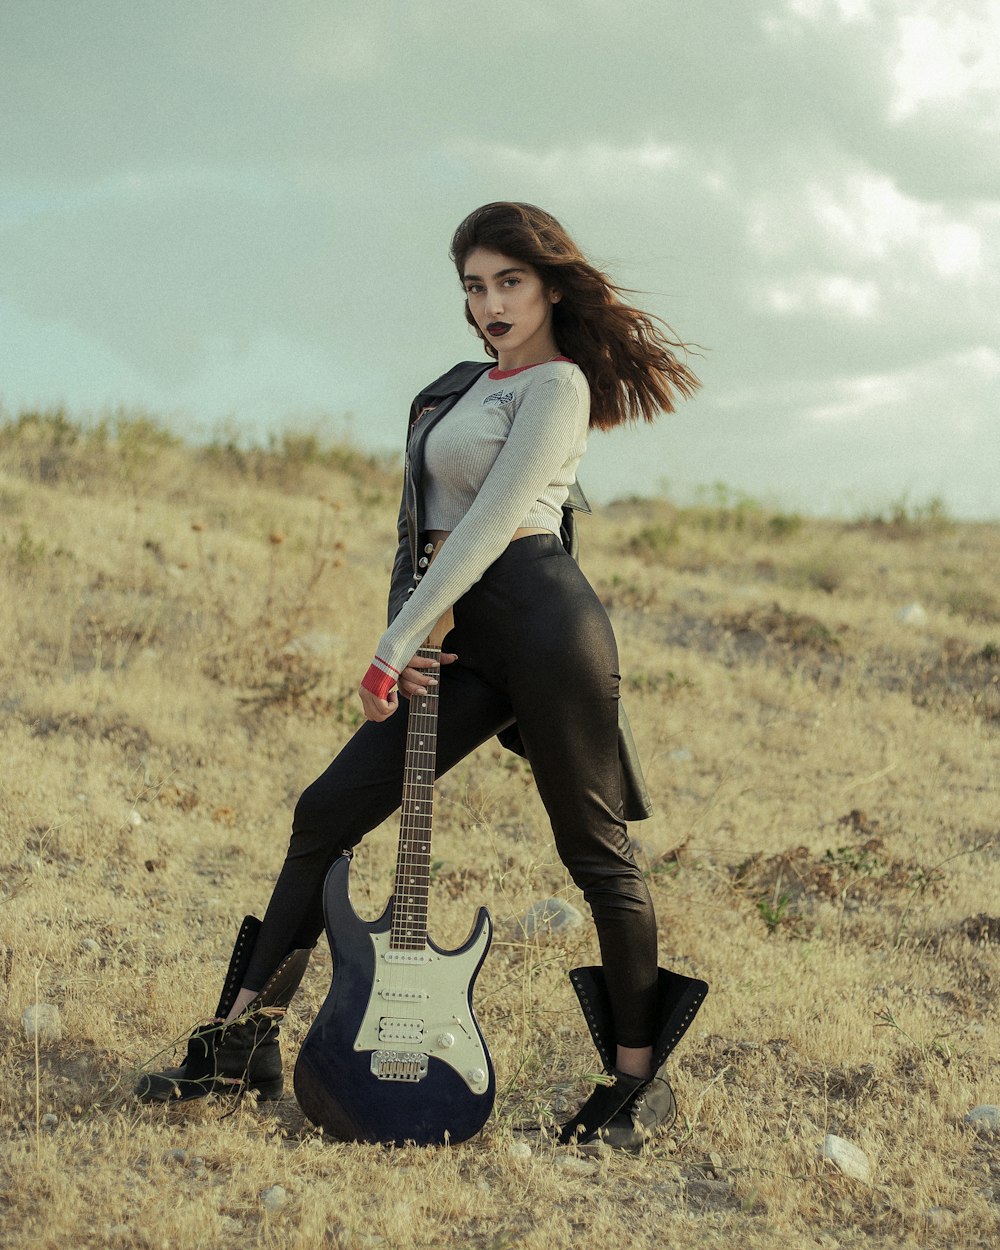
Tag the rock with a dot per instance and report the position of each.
(316, 642)
(985, 1119)
(846, 1157)
(680, 755)
(709, 1191)
(175, 1156)
(914, 614)
(48, 1121)
(197, 1165)
(90, 947)
(550, 915)
(42, 1020)
(134, 819)
(576, 1165)
(273, 1197)
(519, 1150)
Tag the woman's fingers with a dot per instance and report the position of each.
(378, 709)
(415, 678)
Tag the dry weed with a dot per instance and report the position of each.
(824, 852)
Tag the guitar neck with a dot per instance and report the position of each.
(413, 861)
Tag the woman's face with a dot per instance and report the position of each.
(511, 306)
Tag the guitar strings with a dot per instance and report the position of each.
(408, 929)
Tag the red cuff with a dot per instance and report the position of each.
(380, 678)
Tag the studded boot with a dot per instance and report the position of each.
(625, 1111)
(244, 1054)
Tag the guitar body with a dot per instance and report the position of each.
(395, 1054)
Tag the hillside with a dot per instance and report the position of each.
(817, 704)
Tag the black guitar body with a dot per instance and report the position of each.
(395, 1054)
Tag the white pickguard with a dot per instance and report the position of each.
(419, 1005)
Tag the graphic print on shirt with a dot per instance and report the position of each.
(499, 397)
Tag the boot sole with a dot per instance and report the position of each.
(267, 1091)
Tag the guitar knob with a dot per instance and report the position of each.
(445, 1040)
(476, 1076)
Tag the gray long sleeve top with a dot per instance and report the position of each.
(502, 459)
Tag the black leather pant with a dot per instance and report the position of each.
(534, 645)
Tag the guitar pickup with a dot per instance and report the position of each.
(394, 1029)
(403, 996)
(398, 1065)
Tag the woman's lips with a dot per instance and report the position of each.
(497, 328)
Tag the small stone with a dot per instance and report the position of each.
(49, 1120)
(90, 947)
(576, 1165)
(317, 643)
(716, 1161)
(519, 1150)
(42, 1020)
(177, 1155)
(914, 614)
(985, 1119)
(197, 1165)
(134, 819)
(273, 1197)
(846, 1157)
(708, 1190)
(680, 755)
(550, 915)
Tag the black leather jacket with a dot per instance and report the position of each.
(427, 409)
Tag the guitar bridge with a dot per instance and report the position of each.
(398, 1065)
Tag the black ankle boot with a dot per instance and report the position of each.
(243, 1055)
(626, 1110)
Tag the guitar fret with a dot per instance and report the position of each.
(409, 917)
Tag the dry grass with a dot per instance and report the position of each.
(182, 635)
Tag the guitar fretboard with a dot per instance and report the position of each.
(413, 862)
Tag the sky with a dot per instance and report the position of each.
(236, 216)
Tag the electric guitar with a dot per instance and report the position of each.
(396, 1053)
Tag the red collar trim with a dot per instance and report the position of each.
(497, 375)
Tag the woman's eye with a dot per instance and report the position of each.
(473, 290)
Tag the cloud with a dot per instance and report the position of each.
(256, 201)
(945, 56)
(836, 293)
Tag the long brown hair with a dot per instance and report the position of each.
(626, 355)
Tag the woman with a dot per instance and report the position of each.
(492, 454)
